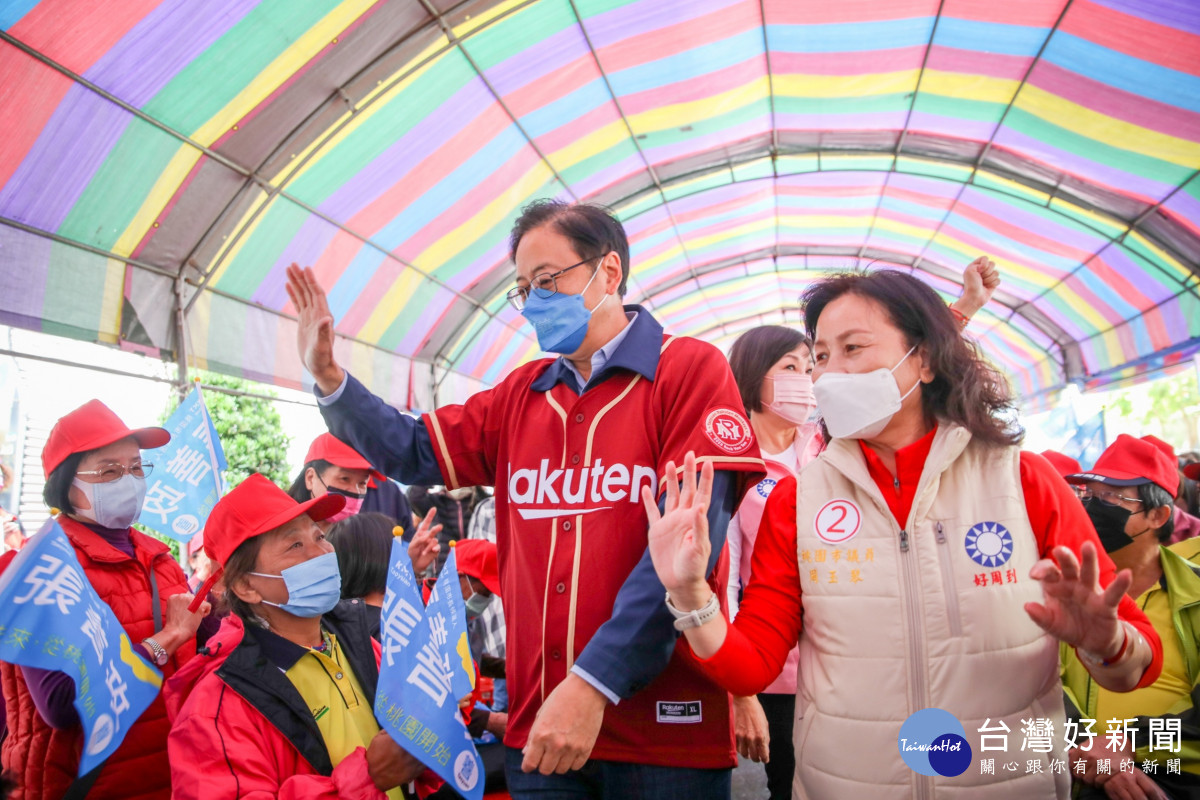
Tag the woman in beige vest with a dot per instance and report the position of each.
(922, 562)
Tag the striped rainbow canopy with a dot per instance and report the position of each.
(163, 161)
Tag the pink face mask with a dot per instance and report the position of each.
(352, 507)
(794, 399)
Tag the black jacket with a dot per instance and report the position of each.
(252, 674)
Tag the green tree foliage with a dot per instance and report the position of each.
(250, 429)
(251, 434)
(1175, 407)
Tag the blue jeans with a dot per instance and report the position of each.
(617, 780)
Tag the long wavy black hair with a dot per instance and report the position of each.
(966, 389)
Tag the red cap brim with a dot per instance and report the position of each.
(318, 508)
(1111, 477)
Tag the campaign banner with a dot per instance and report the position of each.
(186, 482)
(51, 618)
(421, 674)
(446, 612)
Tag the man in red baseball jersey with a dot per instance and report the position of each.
(603, 703)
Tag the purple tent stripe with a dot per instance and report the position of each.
(24, 271)
(421, 142)
(1112, 178)
(648, 15)
(1182, 14)
(1186, 208)
(73, 144)
(1149, 281)
(304, 248)
(418, 329)
(599, 181)
(660, 155)
(550, 55)
(977, 130)
(851, 121)
(162, 44)
(1018, 214)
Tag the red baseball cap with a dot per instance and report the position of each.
(91, 426)
(195, 543)
(1192, 471)
(256, 506)
(328, 447)
(1132, 462)
(1062, 462)
(477, 558)
(253, 508)
(1161, 445)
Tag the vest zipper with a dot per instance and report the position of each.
(916, 696)
(948, 583)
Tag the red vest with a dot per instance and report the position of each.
(44, 760)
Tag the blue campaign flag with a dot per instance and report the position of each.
(186, 481)
(447, 614)
(417, 698)
(1087, 442)
(52, 618)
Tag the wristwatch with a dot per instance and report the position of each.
(157, 653)
(694, 619)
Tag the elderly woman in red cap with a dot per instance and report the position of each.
(281, 702)
(96, 478)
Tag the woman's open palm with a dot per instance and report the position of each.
(679, 545)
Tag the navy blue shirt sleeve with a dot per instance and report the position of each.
(387, 498)
(635, 645)
(397, 444)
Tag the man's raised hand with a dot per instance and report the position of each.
(314, 334)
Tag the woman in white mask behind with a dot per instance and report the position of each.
(773, 369)
(927, 567)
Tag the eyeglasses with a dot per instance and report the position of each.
(1108, 498)
(114, 472)
(545, 285)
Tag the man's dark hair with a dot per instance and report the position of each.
(57, 490)
(363, 543)
(966, 389)
(753, 355)
(299, 491)
(1154, 496)
(592, 230)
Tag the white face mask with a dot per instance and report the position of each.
(859, 405)
(794, 399)
(116, 504)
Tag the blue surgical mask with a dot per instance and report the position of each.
(560, 320)
(477, 603)
(115, 504)
(314, 586)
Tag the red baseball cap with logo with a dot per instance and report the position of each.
(1062, 462)
(477, 558)
(1132, 462)
(328, 447)
(256, 506)
(91, 426)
